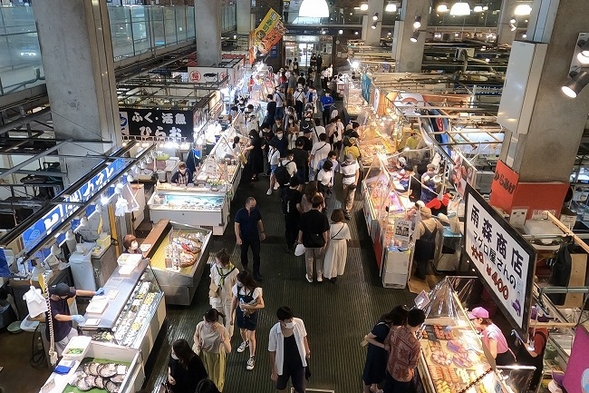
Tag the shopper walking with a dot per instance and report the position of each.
(280, 101)
(270, 111)
(249, 232)
(325, 182)
(425, 241)
(255, 160)
(326, 105)
(314, 235)
(292, 210)
(247, 300)
(212, 342)
(353, 148)
(376, 357)
(274, 161)
(337, 250)
(301, 159)
(289, 351)
(319, 152)
(404, 349)
(299, 98)
(492, 336)
(350, 170)
(310, 192)
(223, 277)
(292, 132)
(185, 369)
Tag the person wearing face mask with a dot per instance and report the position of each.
(280, 142)
(212, 342)
(63, 330)
(223, 277)
(292, 130)
(185, 369)
(183, 176)
(131, 245)
(289, 351)
(299, 97)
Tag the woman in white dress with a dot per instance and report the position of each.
(223, 278)
(337, 249)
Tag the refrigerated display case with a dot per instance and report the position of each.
(130, 313)
(210, 211)
(453, 358)
(178, 256)
(104, 368)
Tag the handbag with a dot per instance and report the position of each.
(213, 289)
(316, 240)
(299, 250)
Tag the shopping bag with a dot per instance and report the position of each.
(299, 250)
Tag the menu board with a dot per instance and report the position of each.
(502, 257)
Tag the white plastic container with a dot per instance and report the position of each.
(77, 343)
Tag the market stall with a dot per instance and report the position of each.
(178, 255)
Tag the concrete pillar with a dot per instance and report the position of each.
(408, 55)
(77, 55)
(208, 36)
(243, 15)
(556, 123)
(504, 33)
(369, 35)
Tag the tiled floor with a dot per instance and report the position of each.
(336, 315)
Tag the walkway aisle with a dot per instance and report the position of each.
(336, 315)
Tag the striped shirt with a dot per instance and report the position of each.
(403, 353)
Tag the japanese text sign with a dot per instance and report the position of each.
(33, 235)
(269, 32)
(503, 258)
(158, 123)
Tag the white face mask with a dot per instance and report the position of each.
(134, 246)
(279, 136)
(288, 325)
(173, 355)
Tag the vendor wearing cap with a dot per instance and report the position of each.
(61, 318)
(425, 241)
(493, 338)
(183, 176)
(353, 149)
(428, 184)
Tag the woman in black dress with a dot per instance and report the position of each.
(255, 163)
(185, 369)
(376, 358)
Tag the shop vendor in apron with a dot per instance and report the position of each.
(425, 241)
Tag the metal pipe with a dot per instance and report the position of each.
(567, 231)
(23, 120)
(544, 290)
(5, 171)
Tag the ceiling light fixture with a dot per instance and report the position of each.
(579, 79)
(442, 8)
(391, 7)
(415, 36)
(478, 8)
(375, 16)
(523, 9)
(417, 22)
(584, 45)
(373, 27)
(340, 32)
(460, 8)
(513, 23)
(315, 9)
(364, 7)
(485, 8)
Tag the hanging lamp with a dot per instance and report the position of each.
(314, 9)
(460, 8)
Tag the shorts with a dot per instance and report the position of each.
(249, 322)
(273, 168)
(297, 377)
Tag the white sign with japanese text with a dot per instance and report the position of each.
(503, 258)
(402, 230)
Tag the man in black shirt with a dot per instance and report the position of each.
(301, 158)
(279, 142)
(291, 207)
(270, 111)
(314, 235)
(248, 221)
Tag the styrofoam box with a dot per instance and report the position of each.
(81, 342)
(129, 259)
(393, 280)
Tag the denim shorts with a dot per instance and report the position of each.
(273, 168)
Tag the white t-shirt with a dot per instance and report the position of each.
(319, 152)
(299, 95)
(316, 132)
(274, 157)
(291, 168)
(325, 177)
(348, 171)
(242, 291)
(279, 98)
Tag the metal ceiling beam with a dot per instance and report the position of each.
(24, 120)
(29, 172)
(8, 171)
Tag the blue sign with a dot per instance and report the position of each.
(4, 270)
(366, 83)
(33, 235)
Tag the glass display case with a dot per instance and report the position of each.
(453, 358)
(130, 313)
(185, 207)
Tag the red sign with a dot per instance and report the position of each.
(194, 76)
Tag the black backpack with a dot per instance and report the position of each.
(282, 176)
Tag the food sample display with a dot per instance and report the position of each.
(100, 375)
(134, 312)
(206, 210)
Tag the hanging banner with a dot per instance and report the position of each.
(503, 258)
(366, 83)
(269, 32)
(463, 172)
(159, 123)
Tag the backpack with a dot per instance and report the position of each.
(282, 176)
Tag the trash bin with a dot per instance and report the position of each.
(7, 315)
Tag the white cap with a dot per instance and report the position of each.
(420, 203)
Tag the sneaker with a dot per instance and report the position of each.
(243, 346)
(269, 192)
(320, 278)
(251, 362)
(276, 186)
(309, 278)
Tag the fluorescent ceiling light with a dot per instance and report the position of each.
(314, 9)
(363, 6)
(459, 8)
(523, 9)
(576, 84)
(391, 7)
(442, 8)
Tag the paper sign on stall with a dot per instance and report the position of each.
(402, 230)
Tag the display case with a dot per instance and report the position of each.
(453, 358)
(104, 368)
(178, 254)
(130, 313)
(210, 211)
(352, 92)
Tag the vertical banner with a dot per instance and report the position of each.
(252, 50)
(504, 260)
(463, 172)
(269, 32)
